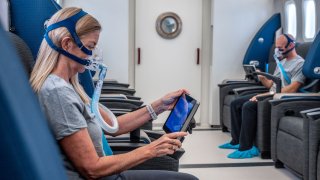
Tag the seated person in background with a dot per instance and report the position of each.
(54, 79)
(244, 109)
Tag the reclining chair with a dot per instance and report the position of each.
(27, 142)
(290, 133)
(311, 143)
(257, 54)
(45, 8)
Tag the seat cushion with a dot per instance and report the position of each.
(292, 125)
(226, 110)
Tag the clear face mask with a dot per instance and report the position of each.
(96, 64)
(278, 53)
(96, 59)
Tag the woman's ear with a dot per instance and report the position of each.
(66, 43)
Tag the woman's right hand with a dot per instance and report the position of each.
(166, 144)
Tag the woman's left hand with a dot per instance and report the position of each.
(167, 102)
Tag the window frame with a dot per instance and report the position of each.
(286, 17)
(304, 15)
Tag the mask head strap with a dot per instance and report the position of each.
(289, 40)
(70, 24)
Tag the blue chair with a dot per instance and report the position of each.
(28, 150)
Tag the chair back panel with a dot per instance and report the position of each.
(28, 148)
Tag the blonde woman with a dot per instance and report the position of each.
(70, 37)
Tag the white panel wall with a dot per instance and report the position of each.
(234, 25)
(114, 17)
(4, 21)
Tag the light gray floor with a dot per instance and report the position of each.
(202, 151)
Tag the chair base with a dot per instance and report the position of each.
(265, 155)
(224, 129)
(278, 164)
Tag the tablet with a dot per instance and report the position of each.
(181, 114)
(250, 72)
(249, 69)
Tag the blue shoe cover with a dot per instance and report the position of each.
(244, 154)
(254, 151)
(229, 146)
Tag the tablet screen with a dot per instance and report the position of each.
(179, 113)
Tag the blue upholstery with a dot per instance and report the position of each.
(85, 79)
(260, 51)
(312, 60)
(28, 150)
(28, 19)
(31, 28)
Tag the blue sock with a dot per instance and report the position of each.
(229, 146)
(244, 154)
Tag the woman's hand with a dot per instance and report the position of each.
(166, 144)
(167, 102)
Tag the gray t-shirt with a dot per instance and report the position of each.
(67, 114)
(293, 68)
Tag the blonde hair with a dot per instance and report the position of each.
(47, 57)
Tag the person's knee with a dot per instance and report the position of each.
(235, 103)
(249, 106)
(188, 176)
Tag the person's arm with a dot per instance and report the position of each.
(80, 150)
(254, 98)
(291, 88)
(265, 81)
(131, 121)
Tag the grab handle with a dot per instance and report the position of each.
(198, 56)
(139, 56)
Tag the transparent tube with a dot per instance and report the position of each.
(97, 64)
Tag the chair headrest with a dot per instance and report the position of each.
(311, 68)
(23, 51)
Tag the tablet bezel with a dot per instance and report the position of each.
(252, 68)
(186, 123)
(250, 73)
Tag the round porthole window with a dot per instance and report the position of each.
(168, 25)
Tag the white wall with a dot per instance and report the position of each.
(234, 25)
(4, 15)
(114, 17)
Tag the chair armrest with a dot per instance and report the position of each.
(129, 101)
(154, 134)
(243, 83)
(296, 99)
(275, 79)
(115, 84)
(314, 115)
(233, 80)
(263, 97)
(114, 96)
(241, 90)
(293, 95)
(117, 90)
(304, 113)
(125, 147)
